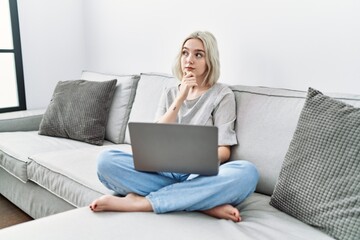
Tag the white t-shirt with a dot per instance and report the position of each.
(216, 107)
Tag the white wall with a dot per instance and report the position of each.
(52, 39)
(279, 43)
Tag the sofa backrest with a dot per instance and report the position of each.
(266, 117)
(147, 97)
(266, 122)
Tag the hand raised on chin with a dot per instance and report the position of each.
(188, 82)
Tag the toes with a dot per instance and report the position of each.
(235, 215)
(93, 206)
(235, 218)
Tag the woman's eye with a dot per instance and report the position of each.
(199, 55)
(185, 53)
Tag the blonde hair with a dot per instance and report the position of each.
(211, 57)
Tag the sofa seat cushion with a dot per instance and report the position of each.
(16, 147)
(260, 221)
(71, 174)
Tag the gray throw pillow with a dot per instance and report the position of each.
(319, 182)
(79, 110)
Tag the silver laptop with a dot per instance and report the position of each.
(177, 148)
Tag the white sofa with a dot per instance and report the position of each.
(46, 175)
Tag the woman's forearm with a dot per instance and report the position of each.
(172, 112)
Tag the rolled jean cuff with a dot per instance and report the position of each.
(154, 203)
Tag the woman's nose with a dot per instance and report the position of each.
(190, 59)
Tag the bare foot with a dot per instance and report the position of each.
(131, 203)
(224, 212)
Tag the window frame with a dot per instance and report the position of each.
(18, 58)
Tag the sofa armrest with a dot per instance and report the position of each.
(28, 120)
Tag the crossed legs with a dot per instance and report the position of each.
(167, 192)
(136, 203)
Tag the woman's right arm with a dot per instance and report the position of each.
(187, 83)
(172, 112)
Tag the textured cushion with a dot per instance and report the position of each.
(319, 182)
(79, 110)
(148, 93)
(121, 104)
(266, 122)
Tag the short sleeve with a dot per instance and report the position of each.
(161, 109)
(224, 117)
(167, 97)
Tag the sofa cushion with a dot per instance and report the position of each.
(71, 174)
(15, 147)
(30, 197)
(266, 121)
(260, 221)
(148, 93)
(79, 110)
(121, 104)
(319, 182)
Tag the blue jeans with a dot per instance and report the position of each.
(168, 192)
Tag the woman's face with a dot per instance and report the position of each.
(193, 58)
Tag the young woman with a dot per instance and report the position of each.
(200, 100)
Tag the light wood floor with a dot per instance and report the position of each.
(10, 214)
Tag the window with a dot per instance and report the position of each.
(12, 92)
